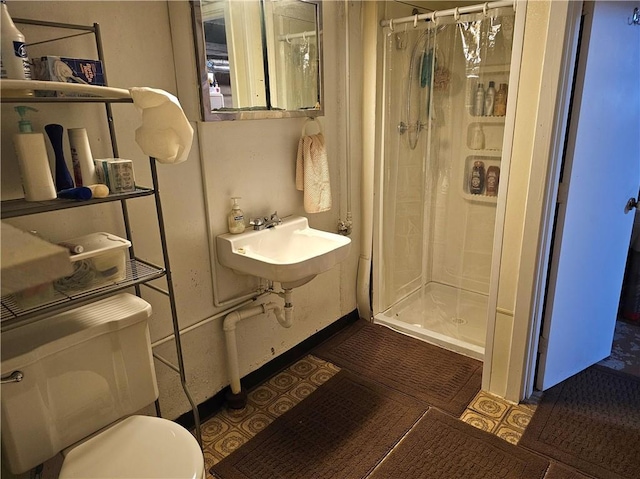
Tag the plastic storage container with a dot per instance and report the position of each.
(102, 261)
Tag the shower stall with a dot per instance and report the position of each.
(442, 124)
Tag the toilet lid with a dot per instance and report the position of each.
(137, 447)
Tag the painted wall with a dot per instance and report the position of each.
(148, 43)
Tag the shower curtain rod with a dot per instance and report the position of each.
(433, 16)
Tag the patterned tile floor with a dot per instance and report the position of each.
(229, 429)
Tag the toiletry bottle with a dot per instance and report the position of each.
(84, 170)
(15, 64)
(493, 180)
(478, 108)
(489, 99)
(500, 108)
(477, 137)
(476, 180)
(63, 177)
(236, 218)
(33, 160)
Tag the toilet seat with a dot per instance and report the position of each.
(137, 447)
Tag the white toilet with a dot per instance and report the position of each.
(85, 373)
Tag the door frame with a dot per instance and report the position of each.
(547, 153)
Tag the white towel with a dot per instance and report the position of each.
(165, 134)
(312, 173)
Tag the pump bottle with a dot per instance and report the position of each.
(33, 160)
(236, 218)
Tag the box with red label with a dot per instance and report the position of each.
(67, 70)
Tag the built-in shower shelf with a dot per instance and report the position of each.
(480, 198)
(486, 119)
(493, 154)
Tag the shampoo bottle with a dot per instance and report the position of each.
(489, 99)
(476, 180)
(478, 109)
(33, 160)
(236, 218)
(477, 137)
(500, 108)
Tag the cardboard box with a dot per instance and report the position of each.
(67, 70)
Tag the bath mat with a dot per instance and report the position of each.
(591, 422)
(340, 431)
(557, 471)
(442, 447)
(434, 375)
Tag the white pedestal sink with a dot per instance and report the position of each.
(290, 253)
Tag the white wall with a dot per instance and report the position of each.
(252, 159)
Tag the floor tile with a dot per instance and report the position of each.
(478, 420)
(509, 434)
(489, 405)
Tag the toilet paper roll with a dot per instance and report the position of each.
(84, 170)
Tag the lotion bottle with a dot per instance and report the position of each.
(33, 160)
(236, 218)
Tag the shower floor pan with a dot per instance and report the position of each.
(442, 315)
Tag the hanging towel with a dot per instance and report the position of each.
(165, 134)
(312, 173)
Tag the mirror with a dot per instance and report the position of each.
(258, 58)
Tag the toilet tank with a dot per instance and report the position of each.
(83, 369)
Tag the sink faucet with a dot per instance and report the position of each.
(266, 222)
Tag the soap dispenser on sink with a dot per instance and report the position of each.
(236, 217)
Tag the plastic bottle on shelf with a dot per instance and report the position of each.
(33, 160)
(63, 177)
(84, 170)
(236, 218)
(492, 180)
(489, 99)
(476, 180)
(15, 63)
(477, 137)
(500, 105)
(478, 109)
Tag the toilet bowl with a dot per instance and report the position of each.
(136, 447)
(85, 375)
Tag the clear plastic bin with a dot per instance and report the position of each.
(103, 261)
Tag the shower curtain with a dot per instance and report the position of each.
(434, 229)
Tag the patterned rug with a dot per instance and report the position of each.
(441, 447)
(625, 352)
(590, 421)
(438, 377)
(340, 431)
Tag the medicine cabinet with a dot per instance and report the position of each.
(258, 58)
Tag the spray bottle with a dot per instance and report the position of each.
(15, 63)
(33, 160)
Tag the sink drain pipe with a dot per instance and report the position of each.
(236, 397)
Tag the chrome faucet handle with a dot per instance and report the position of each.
(275, 217)
(257, 223)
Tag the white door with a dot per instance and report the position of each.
(601, 173)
